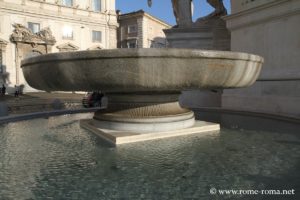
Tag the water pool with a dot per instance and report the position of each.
(56, 159)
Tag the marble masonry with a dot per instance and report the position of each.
(209, 32)
(143, 85)
(270, 28)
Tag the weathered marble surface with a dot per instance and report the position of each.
(271, 29)
(141, 70)
(142, 85)
(210, 34)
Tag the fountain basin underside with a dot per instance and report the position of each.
(143, 86)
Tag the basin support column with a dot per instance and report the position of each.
(144, 112)
(134, 117)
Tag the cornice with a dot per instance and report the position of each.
(157, 20)
(262, 14)
(24, 35)
(3, 42)
(18, 9)
(254, 9)
(76, 7)
(142, 13)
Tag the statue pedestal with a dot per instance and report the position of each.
(210, 34)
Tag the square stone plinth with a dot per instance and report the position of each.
(122, 137)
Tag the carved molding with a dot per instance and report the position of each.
(25, 35)
(4, 42)
(95, 47)
(67, 47)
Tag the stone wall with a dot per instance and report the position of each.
(242, 5)
(270, 29)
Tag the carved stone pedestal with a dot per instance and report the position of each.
(210, 34)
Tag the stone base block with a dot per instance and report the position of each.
(123, 137)
(208, 34)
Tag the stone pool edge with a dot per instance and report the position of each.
(34, 115)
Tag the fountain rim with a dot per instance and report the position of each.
(141, 53)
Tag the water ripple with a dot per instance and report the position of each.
(55, 159)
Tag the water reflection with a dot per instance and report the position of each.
(55, 158)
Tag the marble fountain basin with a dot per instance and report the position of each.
(142, 86)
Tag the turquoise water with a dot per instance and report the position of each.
(55, 159)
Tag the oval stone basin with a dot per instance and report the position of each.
(139, 70)
(142, 86)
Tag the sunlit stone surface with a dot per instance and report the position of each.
(141, 70)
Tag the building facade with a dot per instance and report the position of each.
(33, 27)
(141, 30)
(270, 28)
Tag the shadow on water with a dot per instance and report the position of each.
(235, 121)
(57, 159)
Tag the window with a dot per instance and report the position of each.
(1, 67)
(96, 5)
(67, 32)
(34, 27)
(132, 29)
(3, 44)
(67, 3)
(131, 44)
(97, 36)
